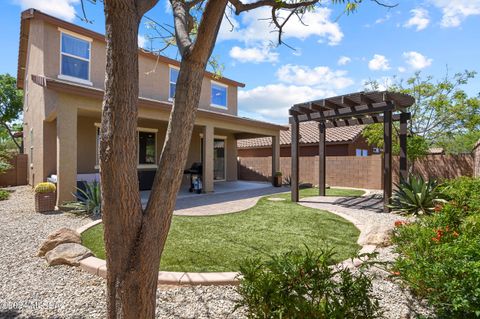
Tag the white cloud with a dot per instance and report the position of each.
(142, 40)
(419, 19)
(273, 101)
(254, 54)
(455, 11)
(298, 83)
(402, 69)
(379, 62)
(382, 84)
(416, 60)
(254, 27)
(320, 76)
(344, 60)
(63, 9)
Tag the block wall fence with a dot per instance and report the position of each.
(360, 172)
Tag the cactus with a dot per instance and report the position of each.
(45, 188)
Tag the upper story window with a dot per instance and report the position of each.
(219, 95)
(173, 82)
(74, 58)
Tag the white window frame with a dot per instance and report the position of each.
(139, 129)
(223, 107)
(170, 67)
(89, 60)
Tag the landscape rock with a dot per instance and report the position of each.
(58, 237)
(305, 185)
(67, 254)
(377, 235)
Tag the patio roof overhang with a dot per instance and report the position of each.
(353, 109)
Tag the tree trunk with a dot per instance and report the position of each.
(134, 239)
(121, 205)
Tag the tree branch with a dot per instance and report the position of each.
(183, 23)
(240, 6)
(144, 5)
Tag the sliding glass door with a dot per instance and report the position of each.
(219, 160)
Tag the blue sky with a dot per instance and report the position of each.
(334, 54)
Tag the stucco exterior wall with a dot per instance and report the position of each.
(154, 76)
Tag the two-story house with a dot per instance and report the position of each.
(61, 69)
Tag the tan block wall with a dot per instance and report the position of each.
(439, 167)
(347, 171)
(361, 172)
(17, 175)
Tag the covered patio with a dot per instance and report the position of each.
(353, 109)
(229, 197)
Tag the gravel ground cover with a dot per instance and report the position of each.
(30, 289)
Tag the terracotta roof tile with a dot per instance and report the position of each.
(308, 135)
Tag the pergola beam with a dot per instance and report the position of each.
(344, 112)
(362, 120)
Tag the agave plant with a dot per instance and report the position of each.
(90, 198)
(415, 196)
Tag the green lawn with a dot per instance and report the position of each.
(219, 243)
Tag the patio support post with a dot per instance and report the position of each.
(275, 156)
(207, 160)
(66, 152)
(295, 159)
(387, 158)
(321, 159)
(403, 145)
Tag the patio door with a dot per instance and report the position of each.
(219, 160)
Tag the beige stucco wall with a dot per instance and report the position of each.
(154, 76)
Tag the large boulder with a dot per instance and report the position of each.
(58, 237)
(377, 236)
(67, 254)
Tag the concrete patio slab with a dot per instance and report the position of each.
(229, 197)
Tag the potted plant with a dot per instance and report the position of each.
(277, 179)
(45, 197)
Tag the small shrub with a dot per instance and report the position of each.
(439, 255)
(4, 194)
(46, 187)
(415, 196)
(304, 285)
(90, 199)
(463, 191)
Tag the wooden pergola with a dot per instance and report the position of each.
(353, 109)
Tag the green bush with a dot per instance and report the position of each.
(304, 285)
(464, 191)
(90, 199)
(415, 196)
(439, 255)
(4, 195)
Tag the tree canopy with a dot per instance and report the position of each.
(11, 107)
(443, 115)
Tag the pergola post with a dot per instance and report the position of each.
(321, 159)
(275, 156)
(295, 159)
(387, 159)
(403, 146)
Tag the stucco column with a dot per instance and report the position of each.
(207, 160)
(66, 152)
(275, 156)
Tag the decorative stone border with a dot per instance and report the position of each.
(97, 266)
